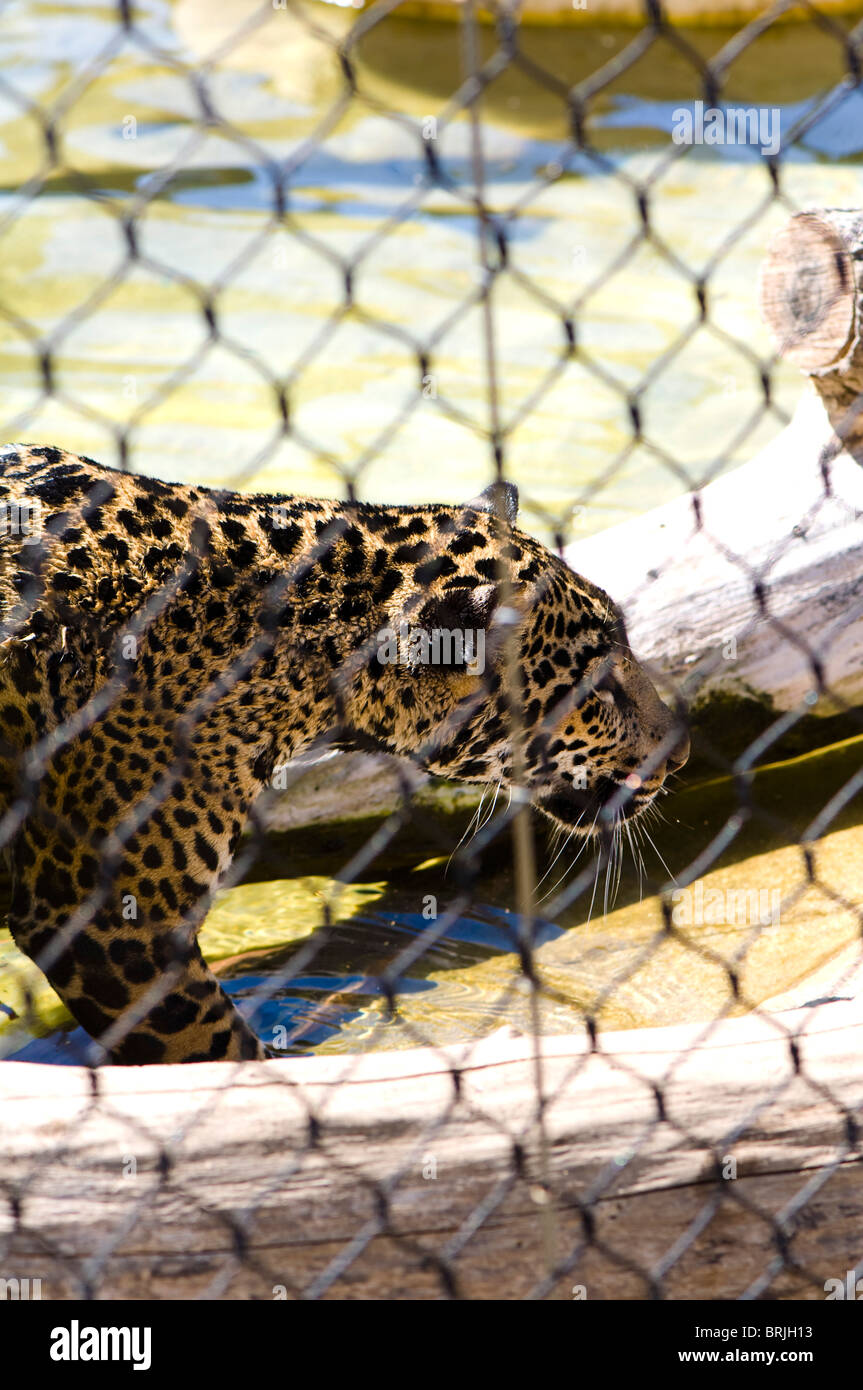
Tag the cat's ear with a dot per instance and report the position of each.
(499, 498)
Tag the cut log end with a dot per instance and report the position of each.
(808, 289)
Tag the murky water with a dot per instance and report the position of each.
(307, 989)
(132, 351)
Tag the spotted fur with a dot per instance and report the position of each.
(165, 647)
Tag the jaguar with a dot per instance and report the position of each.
(164, 648)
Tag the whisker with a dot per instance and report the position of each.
(672, 878)
(593, 894)
(585, 842)
(620, 855)
(611, 875)
(639, 839)
(636, 859)
(567, 871)
(473, 822)
(491, 812)
(559, 853)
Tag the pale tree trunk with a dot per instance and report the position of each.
(754, 584)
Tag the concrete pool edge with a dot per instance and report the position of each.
(732, 1091)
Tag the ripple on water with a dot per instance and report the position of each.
(279, 295)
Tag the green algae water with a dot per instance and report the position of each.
(182, 347)
(315, 988)
(182, 344)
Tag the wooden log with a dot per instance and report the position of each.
(365, 1177)
(752, 586)
(810, 294)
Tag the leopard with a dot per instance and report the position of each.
(165, 646)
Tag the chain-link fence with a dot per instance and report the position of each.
(291, 249)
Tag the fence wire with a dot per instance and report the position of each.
(492, 46)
